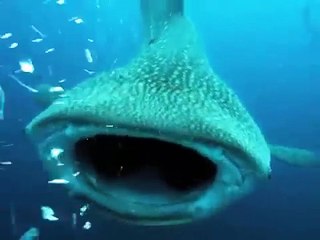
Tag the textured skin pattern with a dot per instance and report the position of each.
(168, 88)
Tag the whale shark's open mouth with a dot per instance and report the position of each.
(145, 165)
(145, 178)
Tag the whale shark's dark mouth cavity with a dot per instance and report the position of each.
(145, 164)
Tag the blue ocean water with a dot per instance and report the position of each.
(262, 49)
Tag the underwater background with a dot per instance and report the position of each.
(264, 50)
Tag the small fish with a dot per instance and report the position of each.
(88, 55)
(87, 226)
(77, 20)
(13, 45)
(50, 50)
(30, 89)
(5, 163)
(6, 36)
(38, 31)
(58, 181)
(26, 65)
(89, 72)
(48, 214)
(37, 40)
(60, 2)
(2, 103)
(74, 220)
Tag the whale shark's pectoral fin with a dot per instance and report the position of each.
(295, 156)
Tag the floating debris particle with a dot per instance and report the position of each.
(22, 84)
(58, 181)
(55, 152)
(5, 163)
(37, 40)
(48, 214)
(13, 219)
(88, 55)
(56, 89)
(89, 72)
(60, 2)
(87, 226)
(74, 220)
(32, 234)
(2, 103)
(77, 20)
(26, 66)
(6, 36)
(83, 209)
(50, 50)
(13, 45)
(38, 31)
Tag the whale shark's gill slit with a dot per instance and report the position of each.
(141, 161)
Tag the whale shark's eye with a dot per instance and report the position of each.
(116, 158)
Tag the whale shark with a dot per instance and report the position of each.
(162, 140)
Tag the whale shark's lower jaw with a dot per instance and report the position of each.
(144, 177)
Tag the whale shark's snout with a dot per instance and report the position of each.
(160, 141)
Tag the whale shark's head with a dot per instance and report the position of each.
(160, 141)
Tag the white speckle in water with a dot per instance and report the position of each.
(6, 36)
(89, 72)
(88, 55)
(13, 45)
(5, 163)
(37, 40)
(77, 20)
(58, 181)
(55, 152)
(48, 214)
(74, 220)
(83, 209)
(87, 226)
(38, 31)
(50, 50)
(56, 89)
(2, 103)
(26, 66)
(60, 2)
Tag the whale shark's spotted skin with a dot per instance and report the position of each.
(169, 88)
(168, 92)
